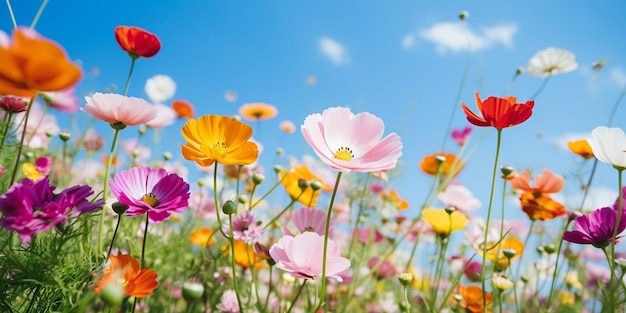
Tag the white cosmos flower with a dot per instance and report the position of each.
(609, 145)
(160, 88)
(551, 61)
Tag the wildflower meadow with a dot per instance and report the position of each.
(139, 195)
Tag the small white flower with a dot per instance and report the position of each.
(609, 145)
(160, 88)
(551, 61)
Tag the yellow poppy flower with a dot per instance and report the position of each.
(222, 139)
(442, 222)
(581, 147)
(291, 181)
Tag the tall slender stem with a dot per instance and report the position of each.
(117, 226)
(231, 240)
(493, 185)
(19, 149)
(8, 2)
(105, 185)
(326, 231)
(130, 73)
(556, 264)
(143, 244)
(38, 15)
(541, 88)
(217, 204)
(296, 297)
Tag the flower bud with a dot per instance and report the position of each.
(519, 71)
(119, 208)
(243, 199)
(49, 133)
(257, 179)
(65, 136)
(278, 168)
(450, 210)
(463, 15)
(192, 291)
(118, 125)
(280, 151)
(509, 253)
(201, 183)
(315, 185)
(142, 129)
(229, 207)
(440, 159)
(506, 171)
(549, 248)
(303, 184)
(167, 155)
(112, 294)
(501, 282)
(405, 278)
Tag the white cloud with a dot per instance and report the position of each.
(561, 141)
(618, 76)
(335, 51)
(597, 197)
(453, 36)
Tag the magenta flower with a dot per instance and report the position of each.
(308, 219)
(245, 228)
(32, 207)
(460, 136)
(348, 142)
(302, 256)
(114, 109)
(150, 190)
(596, 228)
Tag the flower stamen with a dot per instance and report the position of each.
(150, 199)
(344, 154)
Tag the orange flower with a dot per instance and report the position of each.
(245, 255)
(137, 42)
(124, 270)
(183, 108)
(32, 64)
(497, 252)
(540, 206)
(581, 147)
(451, 165)
(257, 111)
(291, 181)
(547, 182)
(472, 299)
(393, 197)
(202, 237)
(499, 112)
(222, 139)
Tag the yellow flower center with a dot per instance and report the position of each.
(344, 154)
(150, 199)
(220, 148)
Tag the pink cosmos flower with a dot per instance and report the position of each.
(91, 140)
(202, 204)
(165, 116)
(385, 270)
(459, 197)
(63, 100)
(302, 256)
(133, 148)
(228, 302)
(460, 136)
(32, 207)
(596, 228)
(309, 219)
(348, 142)
(245, 228)
(152, 191)
(114, 108)
(44, 165)
(38, 127)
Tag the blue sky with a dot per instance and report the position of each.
(398, 60)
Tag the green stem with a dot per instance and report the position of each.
(130, 73)
(231, 239)
(296, 297)
(326, 231)
(269, 291)
(19, 150)
(117, 226)
(143, 244)
(493, 185)
(541, 88)
(7, 122)
(107, 172)
(407, 305)
(439, 269)
(556, 264)
(293, 201)
(616, 105)
(217, 206)
(618, 220)
(8, 2)
(38, 15)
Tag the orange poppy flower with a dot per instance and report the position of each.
(32, 64)
(496, 253)
(202, 237)
(124, 270)
(291, 183)
(547, 182)
(471, 299)
(245, 255)
(183, 108)
(257, 111)
(451, 165)
(222, 139)
(499, 112)
(541, 206)
(394, 198)
(137, 42)
(581, 147)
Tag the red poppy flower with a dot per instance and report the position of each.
(137, 42)
(499, 112)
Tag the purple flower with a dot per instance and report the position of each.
(245, 228)
(150, 190)
(31, 207)
(596, 228)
